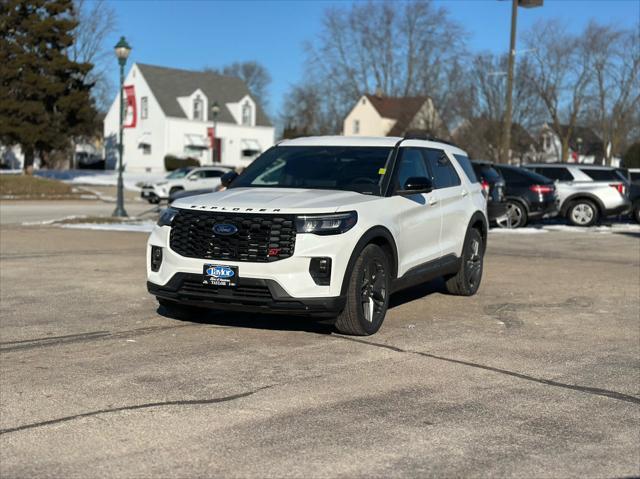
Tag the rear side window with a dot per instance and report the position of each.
(560, 174)
(465, 163)
(442, 171)
(213, 173)
(602, 175)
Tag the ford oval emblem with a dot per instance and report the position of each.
(224, 229)
(223, 272)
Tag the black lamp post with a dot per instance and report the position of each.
(215, 109)
(122, 49)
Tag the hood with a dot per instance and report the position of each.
(271, 200)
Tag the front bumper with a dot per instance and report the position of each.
(251, 295)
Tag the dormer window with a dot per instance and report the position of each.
(198, 109)
(246, 114)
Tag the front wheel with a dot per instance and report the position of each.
(367, 294)
(467, 280)
(636, 213)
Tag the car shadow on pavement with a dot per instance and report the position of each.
(252, 320)
(417, 292)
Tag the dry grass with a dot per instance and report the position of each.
(21, 187)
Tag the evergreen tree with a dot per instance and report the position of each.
(44, 102)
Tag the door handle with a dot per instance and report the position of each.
(433, 201)
(465, 192)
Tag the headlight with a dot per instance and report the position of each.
(326, 224)
(166, 217)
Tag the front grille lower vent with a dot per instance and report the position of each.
(260, 238)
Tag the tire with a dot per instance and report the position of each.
(516, 216)
(467, 280)
(583, 213)
(636, 213)
(175, 189)
(367, 294)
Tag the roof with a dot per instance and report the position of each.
(167, 84)
(371, 141)
(401, 109)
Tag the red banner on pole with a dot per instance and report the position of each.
(130, 113)
(211, 135)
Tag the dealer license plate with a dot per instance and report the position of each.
(220, 275)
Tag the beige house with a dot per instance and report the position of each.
(377, 115)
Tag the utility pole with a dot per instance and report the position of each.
(506, 132)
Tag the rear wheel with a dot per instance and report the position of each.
(367, 294)
(515, 217)
(583, 213)
(467, 280)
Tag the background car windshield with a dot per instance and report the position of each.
(320, 167)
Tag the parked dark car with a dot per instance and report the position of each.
(528, 195)
(492, 187)
(633, 190)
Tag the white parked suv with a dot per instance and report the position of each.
(325, 226)
(586, 193)
(183, 179)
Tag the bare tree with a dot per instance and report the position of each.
(255, 76)
(615, 101)
(406, 49)
(96, 21)
(560, 76)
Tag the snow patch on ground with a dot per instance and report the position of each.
(50, 222)
(101, 178)
(602, 229)
(519, 231)
(143, 227)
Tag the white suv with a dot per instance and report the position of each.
(325, 226)
(183, 179)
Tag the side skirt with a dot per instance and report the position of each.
(449, 264)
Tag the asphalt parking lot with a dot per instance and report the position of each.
(536, 376)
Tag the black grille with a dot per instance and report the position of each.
(260, 238)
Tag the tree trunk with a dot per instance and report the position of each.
(565, 150)
(28, 160)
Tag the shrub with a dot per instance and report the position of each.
(631, 158)
(172, 162)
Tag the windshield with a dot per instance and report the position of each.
(354, 168)
(179, 173)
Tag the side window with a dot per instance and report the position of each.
(196, 175)
(442, 171)
(213, 173)
(601, 175)
(144, 108)
(560, 174)
(511, 176)
(411, 164)
(466, 165)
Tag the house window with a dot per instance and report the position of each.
(146, 149)
(246, 114)
(356, 127)
(198, 107)
(144, 107)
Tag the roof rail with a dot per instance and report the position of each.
(419, 135)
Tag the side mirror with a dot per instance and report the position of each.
(416, 185)
(228, 177)
(193, 178)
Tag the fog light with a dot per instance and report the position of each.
(320, 271)
(156, 258)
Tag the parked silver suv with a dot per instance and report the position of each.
(586, 193)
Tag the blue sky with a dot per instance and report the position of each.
(194, 34)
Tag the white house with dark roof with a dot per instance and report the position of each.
(174, 117)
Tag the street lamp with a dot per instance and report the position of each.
(122, 50)
(506, 134)
(215, 110)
